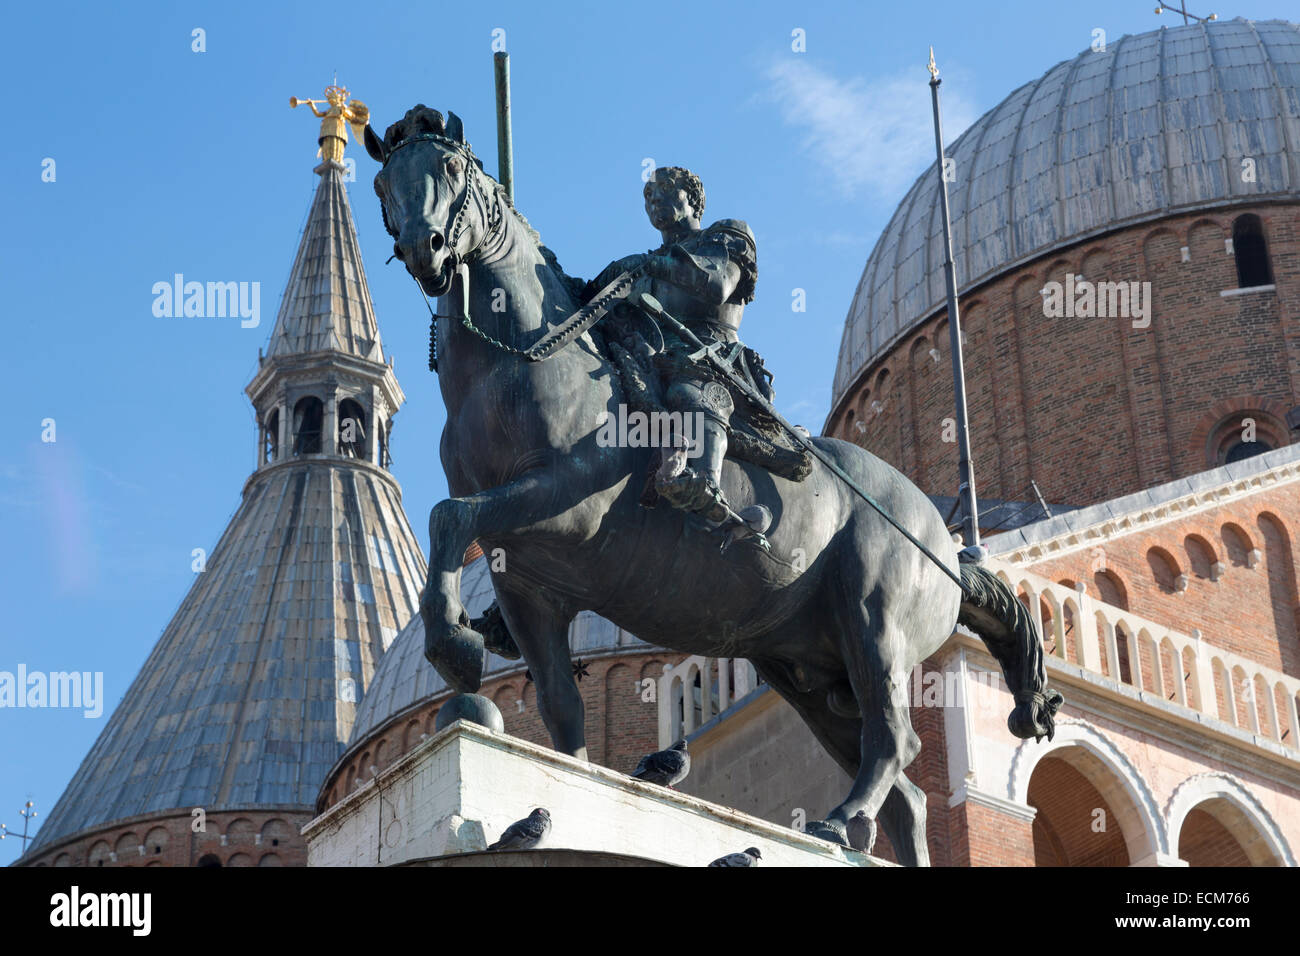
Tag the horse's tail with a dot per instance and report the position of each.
(992, 610)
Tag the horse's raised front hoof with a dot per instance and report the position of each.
(457, 653)
(831, 831)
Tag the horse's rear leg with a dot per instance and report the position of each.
(542, 634)
(888, 743)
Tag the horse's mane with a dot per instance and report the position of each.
(423, 119)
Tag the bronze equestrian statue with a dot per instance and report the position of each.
(834, 613)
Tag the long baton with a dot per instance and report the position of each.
(652, 306)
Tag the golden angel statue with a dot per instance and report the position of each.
(335, 121)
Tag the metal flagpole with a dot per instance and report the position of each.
(966, 490)
(505, 147)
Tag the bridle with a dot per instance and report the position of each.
(493, 216)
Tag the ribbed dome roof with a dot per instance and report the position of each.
(1157, 124)
(404, 678)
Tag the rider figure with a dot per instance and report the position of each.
(703, 278)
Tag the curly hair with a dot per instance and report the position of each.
(682, 179)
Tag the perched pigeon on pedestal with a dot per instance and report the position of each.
(749, 858)
(525, 834)
(667, 767)
(861, 832)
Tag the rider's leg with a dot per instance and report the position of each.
(707, 406)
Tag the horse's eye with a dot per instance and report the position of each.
(453, 167)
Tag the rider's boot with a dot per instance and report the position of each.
(697, 487)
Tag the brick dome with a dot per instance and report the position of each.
(1157, 124)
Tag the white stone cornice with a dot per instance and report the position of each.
(1075, 539)
(968, 791)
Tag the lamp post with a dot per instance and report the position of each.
(966, 473)
(27, 813)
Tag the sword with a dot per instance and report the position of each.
(656, 311)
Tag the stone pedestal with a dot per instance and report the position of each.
(457, 791)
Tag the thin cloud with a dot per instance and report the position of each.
(873, 136)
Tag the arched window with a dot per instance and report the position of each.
(1165, 570)
(1251, 252)
(352, 430)
(1110, 588)
(1200, 556)
(308, 418)
(271, 442)
(1245, 449)
(1244, 434)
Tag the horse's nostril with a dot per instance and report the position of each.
(397, 251)
(435, 241)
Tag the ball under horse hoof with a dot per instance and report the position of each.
(458, 656)
(831, 831)
(475, 708)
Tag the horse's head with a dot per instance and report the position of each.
(431, 190)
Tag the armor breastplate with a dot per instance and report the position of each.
(711, 323)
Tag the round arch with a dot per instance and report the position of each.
(1265, 844)
(1094, 755)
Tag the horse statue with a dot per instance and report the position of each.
(834, 613)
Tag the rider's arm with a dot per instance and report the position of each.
(707, 271)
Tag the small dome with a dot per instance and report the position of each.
(1157, 124)
(404, 678)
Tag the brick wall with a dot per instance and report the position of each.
(1140, 406)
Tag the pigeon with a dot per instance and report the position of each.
(666, 767)
(862, 832)
(751, 522)
(525, 834)
(749, 858)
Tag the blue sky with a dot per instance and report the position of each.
(169, 160)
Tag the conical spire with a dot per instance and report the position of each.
(326, 302)
(249, 696)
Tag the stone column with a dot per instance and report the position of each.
(377, 409)
(282, 444)
(329, 439)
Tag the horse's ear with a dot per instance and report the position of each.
(374, 145)
(455, 128)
